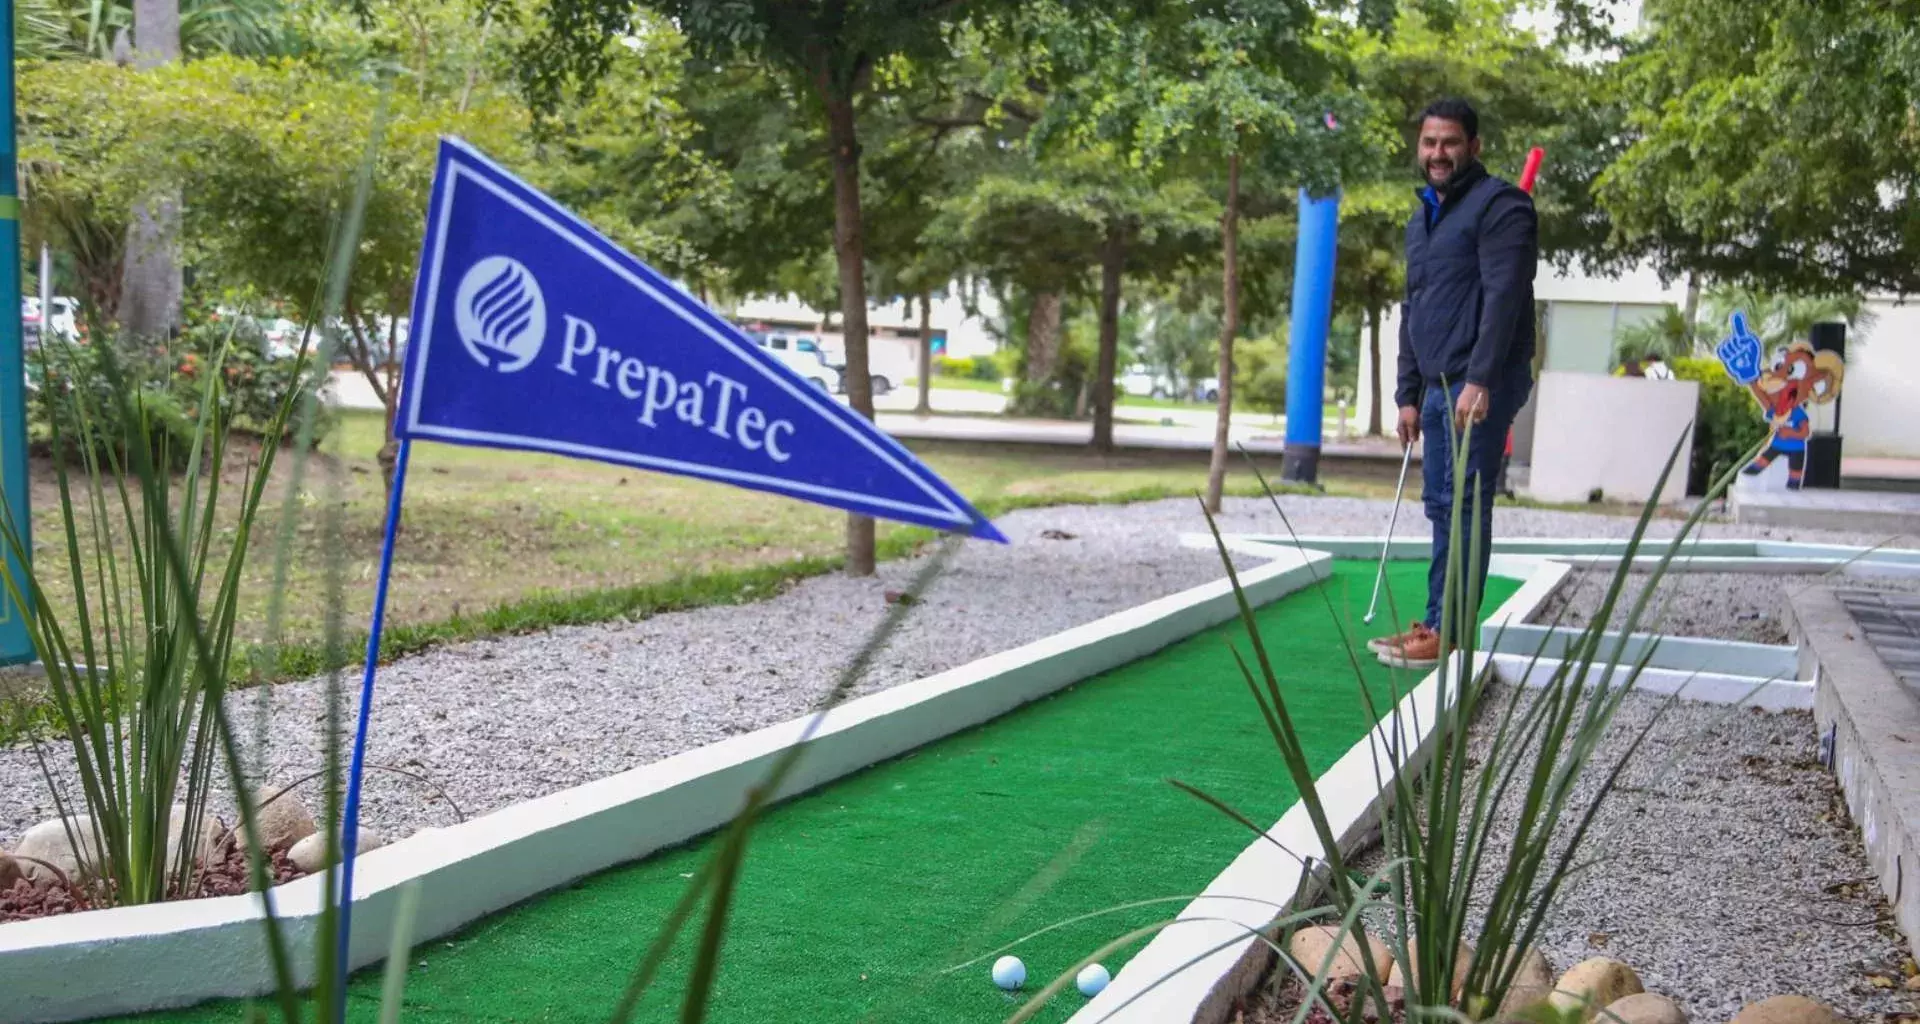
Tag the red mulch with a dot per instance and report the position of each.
(226, 875)
(44, 898)
(1266, 1006)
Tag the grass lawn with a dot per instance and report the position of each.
(991, 387)
(1122, 403)
(497, 541)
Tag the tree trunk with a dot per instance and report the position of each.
(1229, 326)
(849, 250)
(1112, 260)
(390, 452)
(1373, 348)
(924, 405)
(1043, 337)
(1693, 304)
(151, 285)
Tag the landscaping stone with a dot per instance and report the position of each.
(1408, 979)
(310, 854)
(1644, 1008)
(1593, 983)
(1532, 983)
(283, 821)
(1787, 1010)
(11, 871)
(1309, 947)
(48, 842)
(210, 829)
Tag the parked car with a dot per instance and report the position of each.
(802, 355)
(61, 322)
(881, 377)
(1139, 381)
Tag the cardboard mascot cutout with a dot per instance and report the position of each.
(1798, 376)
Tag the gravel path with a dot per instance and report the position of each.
(1722, 605)
(498, 721)
(1733, 870)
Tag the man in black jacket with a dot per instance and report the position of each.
(1466, 349)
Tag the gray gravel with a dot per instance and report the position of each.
(1733, 871)
(499, 721)
(1722, 605)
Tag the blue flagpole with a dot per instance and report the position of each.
(350, 831)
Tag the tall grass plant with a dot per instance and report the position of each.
(136, 708)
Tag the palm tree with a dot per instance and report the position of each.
(1777, 320)
(87, 29)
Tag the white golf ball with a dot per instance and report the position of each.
(1009, 973)
(1092, 979)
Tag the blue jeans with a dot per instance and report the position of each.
(1484, 447)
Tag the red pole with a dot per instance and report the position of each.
(1527, 175)
(1534, 156)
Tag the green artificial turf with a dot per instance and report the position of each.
(856, 897)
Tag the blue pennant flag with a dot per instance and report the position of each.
(531, 330)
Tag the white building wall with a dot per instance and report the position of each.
(1880, 400)
(967, 336)
(1610, 434)
(1878, 405)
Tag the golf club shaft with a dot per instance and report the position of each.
(1406, 459)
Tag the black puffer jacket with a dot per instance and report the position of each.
(1469, 305)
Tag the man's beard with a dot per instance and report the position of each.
(1445, 184)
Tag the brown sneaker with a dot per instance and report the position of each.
(1383, 644)
(1420, 650)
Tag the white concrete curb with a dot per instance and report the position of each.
(1704, 687)
(134, 959)
(1696, 555)
(1683, 653)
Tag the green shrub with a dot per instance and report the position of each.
(170, 384)
(254, 384)
(1727, 425)
(75, 403)
(974, 368)
(1049, 399)
(947, 366)
(1260, 374)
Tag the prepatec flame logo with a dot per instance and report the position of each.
(501, 315)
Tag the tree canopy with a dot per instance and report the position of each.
(1120, 176)
(1775, 144)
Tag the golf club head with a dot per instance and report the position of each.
(1367, 619)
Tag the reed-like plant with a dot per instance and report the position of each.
(132, 701)
(1474, 857)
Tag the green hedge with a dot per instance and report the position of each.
(1729, 423)
(70, 380)
(980, 368)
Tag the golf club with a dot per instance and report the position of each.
(1379, 574)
